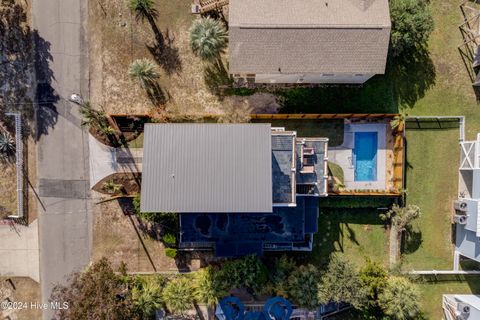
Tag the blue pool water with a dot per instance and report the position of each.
(365, 156)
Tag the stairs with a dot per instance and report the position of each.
(210, 5)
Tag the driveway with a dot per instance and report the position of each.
(62, 68)
(19, 250)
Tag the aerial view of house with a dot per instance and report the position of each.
(239, 159)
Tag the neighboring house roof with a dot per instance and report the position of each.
(207, 168)
(308, 36)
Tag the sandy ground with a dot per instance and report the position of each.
(116, 39)
(24, 291)
(8, 189)
(119, 237)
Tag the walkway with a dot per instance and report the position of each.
(19, 250)
(65, 218)
(105, 160)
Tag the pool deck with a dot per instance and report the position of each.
(343, 156)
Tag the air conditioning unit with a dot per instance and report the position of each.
(460, 205)
(460, 218)
(195, 8)
(463, 311)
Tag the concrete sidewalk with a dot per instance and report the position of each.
(19, 250)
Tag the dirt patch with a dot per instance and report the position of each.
(23, 290)
(119, 237)
(188, 84)
(8, 189)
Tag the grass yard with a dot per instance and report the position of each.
(431, 292)
(24, 290)
(352, 229)
(322, 128)
(432, 178)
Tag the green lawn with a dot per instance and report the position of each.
(352, 229)
(432, 291)
(432, 179)
(323, 128)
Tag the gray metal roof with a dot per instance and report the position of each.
(207, 168)
(284, 36)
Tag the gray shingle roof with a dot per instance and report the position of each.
(347, 36)
(207, 168)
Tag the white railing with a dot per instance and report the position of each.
(19, 164)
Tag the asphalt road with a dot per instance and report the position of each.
(65, 230)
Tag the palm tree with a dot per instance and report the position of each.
(145, 9)
(208, 38)
(178, 295)
(399, 299)
(145, 72)
(148, 298)
(401, 217)
(7, 145)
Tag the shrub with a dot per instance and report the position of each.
(169, 239)
(399, 299)
(278, 276)
(171, 253)
(303, 286)
(248, 272)
(178, 295)
(147, 296)
(207, 286)
(340, 283)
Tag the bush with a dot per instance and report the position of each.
(169, 239)
(178, 295)
(303, 286)
(399, 299)
(147, 296)
(248, 272)
(278, 276)
(207, 286)
(352, 202)
(171, 253)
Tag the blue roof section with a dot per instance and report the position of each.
(239, 234)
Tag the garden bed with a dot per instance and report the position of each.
(120, 184)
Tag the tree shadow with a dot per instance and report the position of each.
(406, 80)
(45, 95)
(411, 75)
(156, 95)
(411, 240)
(167, 55)
(25, 53)
(216, 76)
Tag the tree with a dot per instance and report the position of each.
(401, 217)
(208, 38)
(178, 295)
(147, 296)
(302, 286)
(95, 118)
(400, 299)
(7, 146)
(96, 293)
(145, 72)
(373, 277)
(145, 9)
(412, 24)
(278, 276)
(340, 283)
(207, 286)
(248, 272)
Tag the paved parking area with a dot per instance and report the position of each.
(19, 250)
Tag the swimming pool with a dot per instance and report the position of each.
(365, 156)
